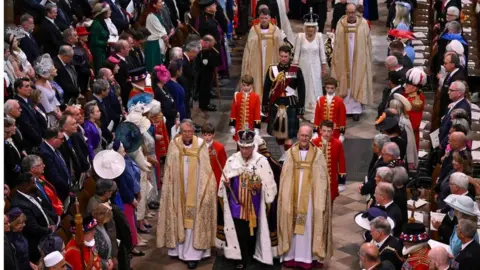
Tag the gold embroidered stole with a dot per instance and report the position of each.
(188, 200)
(269, 38)
(247, 209)
(301, 208)
(347, 28)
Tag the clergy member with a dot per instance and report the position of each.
(251, 186)
(335, 155)
(353, 70)
(188, 207)
(304, 205)
(245, 112)
(284, 99)
(261, 49)
(216, 150)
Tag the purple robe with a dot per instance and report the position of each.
(235, 208)
(93, 137)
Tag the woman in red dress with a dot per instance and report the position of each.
(161, 135)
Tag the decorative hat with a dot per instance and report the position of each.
(88, 224)
(386, 121)
(395, 77)
(456, 46)
(113, 60)
(142, 99)
(363, 218)
(139, 120)
(416, 77)
(247, 138)
(205, 3)
(310, 19)
(53, 259)
(82, 31)
(163, 75)
(100, 8)
(137, 74)
(129, 135)
(401, 34)
(405, 4)
(42, 65)
(50, 243)
(407, 106)
(108, 164)
(14, 213)
(414, 233)
(116, 144)
(463, 204)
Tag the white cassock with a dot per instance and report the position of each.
(301, 245)
(185, 251)
(352, 106)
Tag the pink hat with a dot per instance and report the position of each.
(113, 60)
(162, 73)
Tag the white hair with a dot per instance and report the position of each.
(460, 86)
(454, 11)
(460, 180)
(391, 61)
(392, 149)
(176, 53)
(8, 106)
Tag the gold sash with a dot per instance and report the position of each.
(269, 38)
(188, 201)
(301, 208)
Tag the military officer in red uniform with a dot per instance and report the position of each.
(245, 112)
(331, 107)
(415, 79)
(216, 150)
(73, 255)
(333, 150)
(415, 246)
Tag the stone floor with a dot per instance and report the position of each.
(346, 234)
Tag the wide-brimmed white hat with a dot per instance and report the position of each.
(462, 204)
(363, 218)
(139, 120)
(406, 104)
(53, 258)
(108, 164)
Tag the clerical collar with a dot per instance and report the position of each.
(261, 26)
(187, 143)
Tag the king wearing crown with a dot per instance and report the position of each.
(246, 190)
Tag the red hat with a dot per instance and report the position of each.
(113, 60)
(82, 31)
(401, 34)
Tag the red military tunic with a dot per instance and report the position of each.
(417, 260)
(335, 157)
(334, 112)
(217, 152)
(417, 99)
(245, 111)
(74, 258)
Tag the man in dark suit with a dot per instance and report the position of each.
(454, 73)
(50, 35)
(469, 258)
(456, 93)
(207, 62)
(392, 64)
(397, 49)
(66, 74)
(377, 161)
(389, 247)
(187, 80)
(27, 122)
(63, 19)
(111, 100)
(12, 154)
(74, 158)
(28, 44)
(78, 138)
(80, 60)
(395, 82)
(119, 19)
(100, 91)
(122, 50)
(370, 258)
(454, 28)
(384, 194)
(56, 170)
(40, 220)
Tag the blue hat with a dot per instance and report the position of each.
(50, 243)
(143, 98)
(129, 135)
(363, 218)
(88, 224)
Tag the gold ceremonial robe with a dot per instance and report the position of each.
(356, 73)
(257, 58)
(322, 245)
(171, 226)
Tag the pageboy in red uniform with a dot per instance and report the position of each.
(335, 156)
(331, 107)
(73, 254)
(245, 112)
(216, 150)
(415, 80)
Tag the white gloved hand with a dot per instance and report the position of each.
(205, 61)
(232, 131)
(315, 135)
(342, 138)
(257, 132)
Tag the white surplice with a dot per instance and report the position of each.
(352, 106)
(185, 251)
(301, 244)
(264, 51)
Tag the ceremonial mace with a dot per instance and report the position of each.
(214, 153)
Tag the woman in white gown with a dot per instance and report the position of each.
(310, 56)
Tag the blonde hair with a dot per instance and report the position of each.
(104, 210)
(19, 220)
(401, 15)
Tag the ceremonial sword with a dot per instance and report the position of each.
(220, 166)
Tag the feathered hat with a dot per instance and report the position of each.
(407, 106)
(416, 77)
